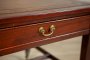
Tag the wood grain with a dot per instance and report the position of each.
(40, 18)
(23, 37)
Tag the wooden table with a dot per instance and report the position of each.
(27, 24)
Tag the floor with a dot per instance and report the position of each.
(64, 50)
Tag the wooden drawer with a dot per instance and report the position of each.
(16, 37)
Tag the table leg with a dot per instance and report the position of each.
(27, 52)
(46, 53)
(85, 49)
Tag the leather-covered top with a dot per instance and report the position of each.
(14, 13)
(11, 8)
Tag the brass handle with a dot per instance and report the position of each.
(42, 30)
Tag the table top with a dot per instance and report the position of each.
(13, 8)
(24, 12)
(21, 19)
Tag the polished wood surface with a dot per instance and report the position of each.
(21, 31)
(18, 37)
(33, 19)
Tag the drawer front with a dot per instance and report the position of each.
(17, 36)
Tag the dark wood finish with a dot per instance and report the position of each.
(21, 32)
(85, 50)
(39, 43)
(23, 37)
(33, 19)
(47, 53)
(88, 50)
